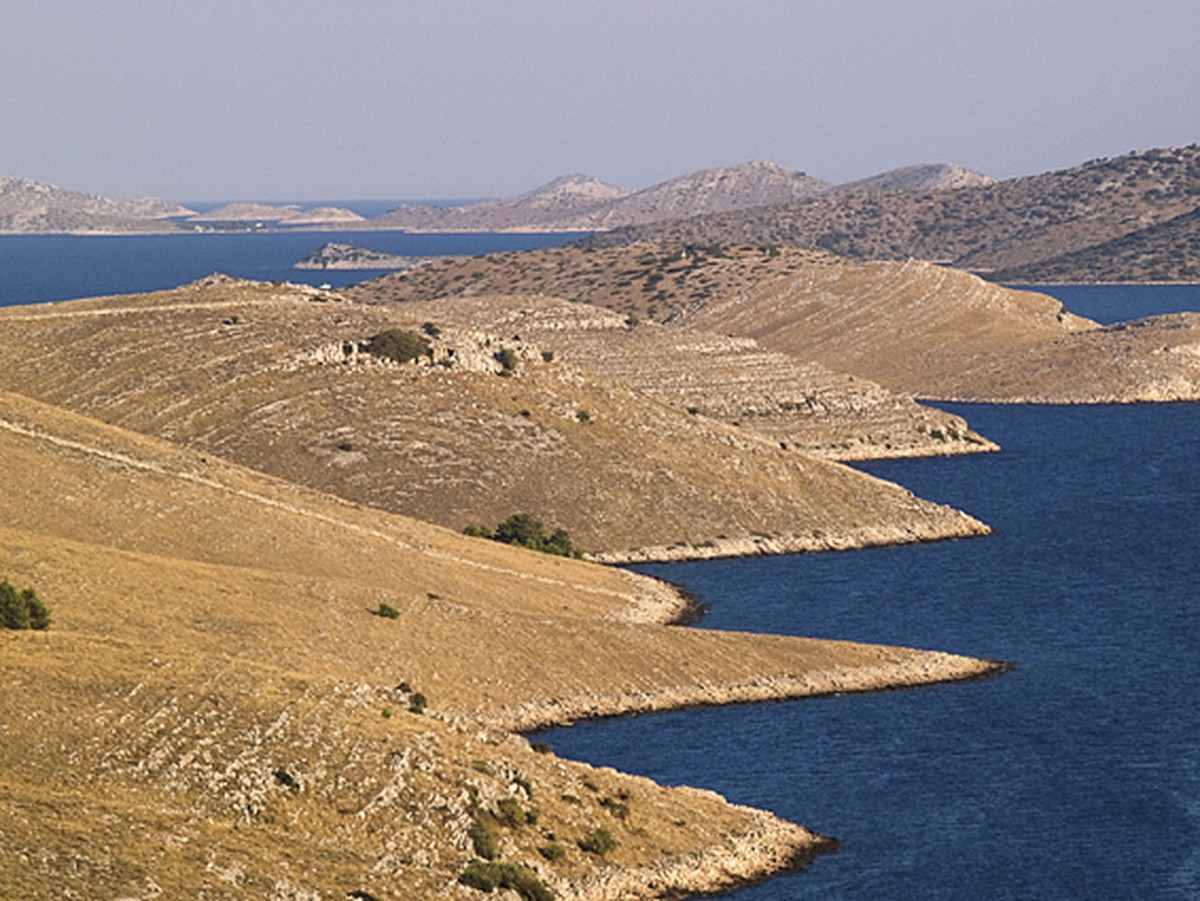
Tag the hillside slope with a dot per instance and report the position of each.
(920, 177)
(558, 205)
(273, 377)
(28, 206)
(581, 203)
(943, 334)
(1166, 252)
(1000, 226)
(216, 711)
(816, 406)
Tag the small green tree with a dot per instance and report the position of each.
(399, 345)
(14, 612)
(524, 529)
(39, 614)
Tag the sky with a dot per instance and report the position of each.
(390, 99)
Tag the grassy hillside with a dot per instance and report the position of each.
(274, 377)
(816, 404)
(217, 710)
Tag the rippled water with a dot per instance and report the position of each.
(40, 268)
(1075, 776)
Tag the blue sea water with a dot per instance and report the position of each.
(40, 268)
(1107, 304)
(1077, 775)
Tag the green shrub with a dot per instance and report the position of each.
(599, 842)
(430, 329)
(387, 611)
(399, 345)
(485, 838)
(482, 766)
(488, 876)
(23, 609)
(617, 808)
(552, 851)
(417, 703)
(507, 358)
(510, 812)
(526, 530)
(525, 786)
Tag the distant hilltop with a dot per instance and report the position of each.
(574, 202)
(31, 207)
(582, 203)
(1130, 218)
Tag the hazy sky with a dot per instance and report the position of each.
(359, 99)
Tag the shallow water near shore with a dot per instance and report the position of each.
(1075, 776)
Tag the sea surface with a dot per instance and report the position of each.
(1077, 775)
(1107, 304)
(41, 268)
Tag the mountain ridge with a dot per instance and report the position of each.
(995, 227)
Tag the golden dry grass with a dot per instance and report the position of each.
(212, 630)
(260, 374)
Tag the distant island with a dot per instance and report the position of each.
(334, 255)
(1131, 218)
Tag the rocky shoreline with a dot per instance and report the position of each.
(962, 526)
(772, 847)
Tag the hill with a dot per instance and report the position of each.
(559, 205)
(947, 335)
(277, 214)
(1000, 226)
(216, 710)
(581, 203)
(1166, 252)
(480, 427)
(921, 177)
(334, 255)
(895, 330)
(30, 207)
(789, 400)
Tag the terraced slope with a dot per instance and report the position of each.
(802, 400)
(273, 377)
(892, 322)
(216, 711)
(1147, 360)
(914, 328)
(797, 405)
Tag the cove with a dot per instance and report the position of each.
(1077, 775)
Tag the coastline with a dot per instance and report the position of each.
(772, 846)
(961, 526)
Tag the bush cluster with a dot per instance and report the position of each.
(399, 345)
(490, 875)
(22, 609)
(599, 842)
(526, 530)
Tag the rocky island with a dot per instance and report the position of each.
(334, 255)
